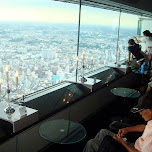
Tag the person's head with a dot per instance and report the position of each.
(146, 33)
(144, 107)
(131, 42)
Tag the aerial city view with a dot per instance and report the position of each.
(44, 53)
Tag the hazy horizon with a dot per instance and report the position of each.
(60, 12)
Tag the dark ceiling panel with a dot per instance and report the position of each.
(131, 1)
(138, 7)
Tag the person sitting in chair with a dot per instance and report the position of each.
(142, 144)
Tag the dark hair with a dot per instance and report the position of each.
(144, 102)
(147, 33)
(132, 42)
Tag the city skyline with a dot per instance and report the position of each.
(45, 55)
(39, 40)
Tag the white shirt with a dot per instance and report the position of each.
(148, 41)
(144, 143)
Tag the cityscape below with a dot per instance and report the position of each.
(45, 54)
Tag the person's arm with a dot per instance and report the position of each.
(138, 128)
(137, 41)
(132, 56)
(123, 143)
(129, 56)
(145, 50)
(150, 47)
(148, 89)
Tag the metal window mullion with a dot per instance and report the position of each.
(78, 37)
(118, 36)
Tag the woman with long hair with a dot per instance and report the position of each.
(135, 51)
(147, 40)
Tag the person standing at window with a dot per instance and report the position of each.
(135, 50)
(147, 40)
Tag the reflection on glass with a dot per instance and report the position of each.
(145, 24)
(38, 39)
(98, 36)
(128, 29)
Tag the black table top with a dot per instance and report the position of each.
(126, 92)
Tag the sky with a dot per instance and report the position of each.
(60, 12)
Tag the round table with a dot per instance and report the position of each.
(141, 78)
(126, 92)
(62, 131)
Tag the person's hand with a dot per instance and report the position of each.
(127, 61)
(135, 38)
(119, 139)
(150, 47)
(122, 132)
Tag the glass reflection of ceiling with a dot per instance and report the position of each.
(57, 100)
(108, 75)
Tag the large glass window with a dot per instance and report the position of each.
(39, 40)
(98, 36)
(128, 29)
(145, 24)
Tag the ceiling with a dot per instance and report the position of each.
(145, 5)
(142, 7)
